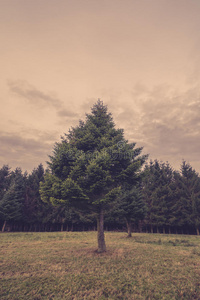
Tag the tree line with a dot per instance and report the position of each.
(96, 179)
(167, 201)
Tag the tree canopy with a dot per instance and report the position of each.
(91, 165)
(95, 174)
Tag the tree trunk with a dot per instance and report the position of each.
(163, 230)
(197, 229)
(100, 232)
(140, 226)
(129, 228)
(4, 225)
(169, 230)
(61, 229)
(151, 229)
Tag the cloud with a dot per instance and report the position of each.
(166, 122)
(39, 99)
(67, 113)
(33, 95)
(170, 125)
(24, 152)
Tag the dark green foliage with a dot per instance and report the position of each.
(172, 198)
(95, 171)
(91, 165)
(4, 185)
(33, 206)
(186, 209)
(11, 205)
(130, 207)
(4, 180)
(90, 162)
(157, 192)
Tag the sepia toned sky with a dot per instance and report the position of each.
(141, 57)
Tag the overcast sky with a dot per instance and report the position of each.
(141, 57)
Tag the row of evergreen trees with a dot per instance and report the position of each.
(96, 179)
(172, 198)
(165, 201)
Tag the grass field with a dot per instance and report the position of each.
(64, 265)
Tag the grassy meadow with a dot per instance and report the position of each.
(64, 265)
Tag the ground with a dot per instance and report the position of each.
(65, 265)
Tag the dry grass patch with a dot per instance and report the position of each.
(66, 266)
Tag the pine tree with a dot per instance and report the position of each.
(4, 180)
(90, 165)
(131, 207)
(12, 203)
(157, 194)
(4, 185)
(186, 209)
(33, 206)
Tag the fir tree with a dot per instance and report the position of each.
(4, 180)
(157, 194)
(131, 207)
(33, 206)
(90, 165)
(12, 203)
(186, 209)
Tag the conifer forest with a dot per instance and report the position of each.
(97, 180)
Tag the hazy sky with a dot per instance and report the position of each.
(141, 57)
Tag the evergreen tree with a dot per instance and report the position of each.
(131, 207)
(33, 206)
(4, 185)
(90, 165)
(191, 181)
(12, 203)
(186, 209)
(4, 180)
(34, 209)
(157, 194)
